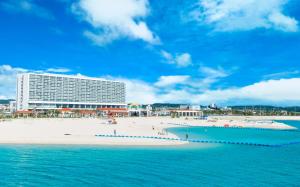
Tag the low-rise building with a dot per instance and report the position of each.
(135, 109)
(186, 113)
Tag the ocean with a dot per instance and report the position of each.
(195, 164)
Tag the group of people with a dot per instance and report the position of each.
(112, 121)
(162, 132)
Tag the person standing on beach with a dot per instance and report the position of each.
(115, 132)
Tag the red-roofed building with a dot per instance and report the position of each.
(113, 112)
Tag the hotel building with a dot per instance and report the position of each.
(50, 91)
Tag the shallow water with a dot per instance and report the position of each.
(192, 165)
(245, 135)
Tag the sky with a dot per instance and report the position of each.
(229, 52)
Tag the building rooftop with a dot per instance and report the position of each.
(71, 76)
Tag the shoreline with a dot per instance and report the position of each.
(82, 131)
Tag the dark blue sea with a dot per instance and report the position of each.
(190, 165)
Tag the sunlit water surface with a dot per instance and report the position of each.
(192, 165)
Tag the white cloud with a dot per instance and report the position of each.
(115, 19)
(209, 76)
(213, 73)
(206, 78)
(282, 22)
(138, 91)
(166, 55)
(231, 15)
(281, 75)
(27, 7)
(283, 91)
(171, 80)
(183, 60)
(58, 70)
(180, 60)
(272, 91)
(8, 81)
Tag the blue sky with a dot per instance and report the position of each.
(193, 51)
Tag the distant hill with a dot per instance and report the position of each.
(168, 105)
(165, 105)
(267, 108)
(5, 101)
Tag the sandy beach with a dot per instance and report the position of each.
(83, 130)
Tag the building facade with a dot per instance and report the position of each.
(51, 91)
(12, 106)
(186, 113)
(139, 110)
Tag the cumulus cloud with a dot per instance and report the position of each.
(138, 91)
(232, 15)
(27, 7)
(167, 56)
(8, 81)
(183, 60)
(213, 73)
(206, 78)
(281, 91)
(115, 19)
(58, 70)
(180, 60)
(171, 80)
(271, 91)
(209, 76)
(280, 75)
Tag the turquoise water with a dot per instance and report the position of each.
(192, 165)
(247, 135)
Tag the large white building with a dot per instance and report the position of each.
(52, 91)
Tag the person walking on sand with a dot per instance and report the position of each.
(115, 132)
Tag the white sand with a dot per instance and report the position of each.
(83, 131)
(243, 122)
(293, 118)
